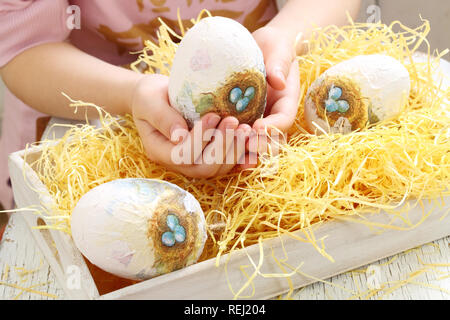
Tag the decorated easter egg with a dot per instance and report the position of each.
(363, 90)
(218, 67)
(139, 228)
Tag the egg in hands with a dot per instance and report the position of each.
(218, 67)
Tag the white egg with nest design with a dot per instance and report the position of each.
(356, 92)
(218, 67)
(139, 228)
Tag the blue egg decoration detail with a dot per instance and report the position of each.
(241, 101)
(331, 105)
(172, 221)
(235, 95)
(335, 93)
(168, 239)
(250, 92)
(343, 106)
(177, 232)
(180, 233)
(242, 104)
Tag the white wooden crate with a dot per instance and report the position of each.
(351, 245)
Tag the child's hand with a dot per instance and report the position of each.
(164, 132)
(283, 87)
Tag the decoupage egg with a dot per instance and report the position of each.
(139, 228)
(363, 90)
(218, 67)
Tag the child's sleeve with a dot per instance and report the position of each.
(28, 23)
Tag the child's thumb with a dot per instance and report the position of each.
(168, 122)
(278, 64)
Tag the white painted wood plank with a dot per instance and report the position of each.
(354, 282)
(397, 269)
(19, 250)
(351, 245)
(57, 247)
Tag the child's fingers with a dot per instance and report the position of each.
(222, 154)
(278, 62)
(213, 156)
(249, 161)
(162, 151)
(168, 121)
(200, 135)
(284, 110)
(282, 114)
(216, 151)
(236, 152)
(156, 145)
(258, 143)
(151, 104)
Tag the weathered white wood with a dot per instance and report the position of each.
(57, 247)
(391, 270)
(18, 249)
(351, 244)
